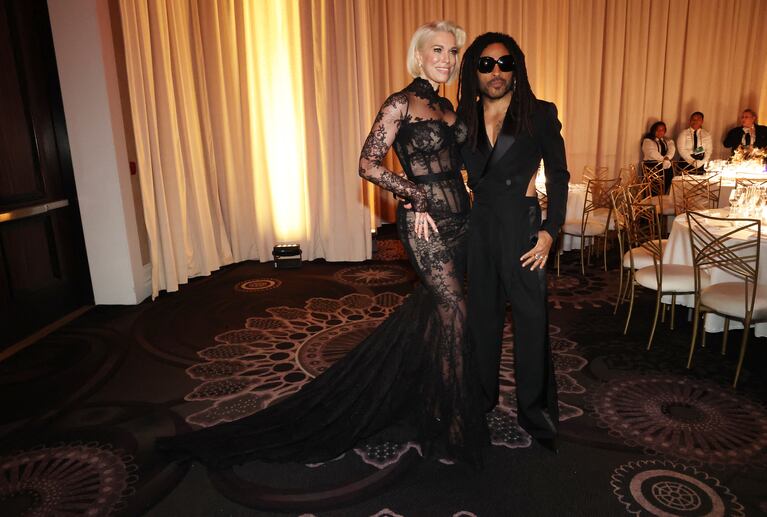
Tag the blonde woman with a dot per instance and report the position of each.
(413, 373)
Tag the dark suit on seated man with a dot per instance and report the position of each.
(748, 135)
(509, 132)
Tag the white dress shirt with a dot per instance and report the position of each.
(651, 151)
(684, 142)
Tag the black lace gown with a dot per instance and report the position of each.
(412, 378)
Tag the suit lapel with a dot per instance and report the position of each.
(504, 142)
(483, 144)
(477, 159)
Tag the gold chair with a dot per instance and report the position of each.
(620, 214)
(655, 176)
(629, 175)
(639, 192)
(631, 258)
(681, 168)
(691, 193)
(750, 182)
(665, 279)
(715, 189)
(595, 219)
(594, 173)
(731, 245)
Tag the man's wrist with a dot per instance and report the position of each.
(549, 231)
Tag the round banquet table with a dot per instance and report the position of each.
(678, 251)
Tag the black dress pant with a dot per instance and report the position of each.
(500, 231)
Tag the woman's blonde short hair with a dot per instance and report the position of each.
(422, 35)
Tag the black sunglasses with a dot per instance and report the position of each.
(486, 64)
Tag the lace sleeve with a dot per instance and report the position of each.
(376, 146)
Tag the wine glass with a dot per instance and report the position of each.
(734, 198)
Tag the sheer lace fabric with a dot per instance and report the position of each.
(412, 378)
(425, 134)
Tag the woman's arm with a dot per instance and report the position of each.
(378, 143)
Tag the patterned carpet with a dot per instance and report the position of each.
(641, 434)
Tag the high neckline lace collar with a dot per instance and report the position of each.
(424, 88)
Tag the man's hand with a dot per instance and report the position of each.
(536, 257)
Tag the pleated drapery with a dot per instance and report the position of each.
(249, 114)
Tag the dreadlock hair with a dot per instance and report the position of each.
(522, 97)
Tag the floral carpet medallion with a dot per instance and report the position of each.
(386, 512)
(656, 487)
(389, 249)
(272, 357)
(70, 479)
(504, 429)
(684, 418)
(258, 285)
(382, 455)
(370, 275)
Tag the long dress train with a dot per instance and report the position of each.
(412, 378)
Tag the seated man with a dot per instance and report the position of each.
(695, 145)
(748, 135)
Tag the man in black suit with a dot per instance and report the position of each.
(748, 135)
(509, 132)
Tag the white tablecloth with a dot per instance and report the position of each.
(677, 251)
(576, 199)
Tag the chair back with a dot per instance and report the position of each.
(598, 192)
(629, 175)
(598, 198)
(595, 173)
(645, 229)
(731, 245)
(691, 193)
(681, 168)
(620, 203)
(750, 182)
(639, 192)
(653, 171)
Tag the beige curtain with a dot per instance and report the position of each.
(340, 109)
(247, 130)
(615, 66)
(249, 114)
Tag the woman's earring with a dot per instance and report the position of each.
(514, 85)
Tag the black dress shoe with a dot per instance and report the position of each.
(548, 443)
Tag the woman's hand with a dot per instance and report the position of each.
(536, 257)
(423, 222)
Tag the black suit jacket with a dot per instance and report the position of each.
(735, 135)
(499, 173)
